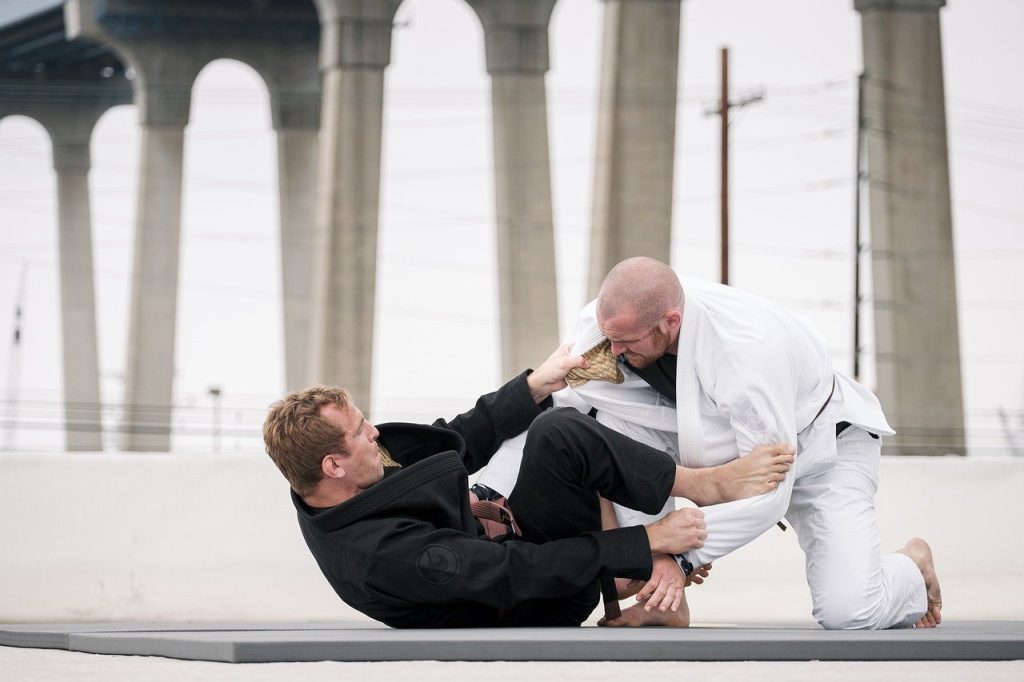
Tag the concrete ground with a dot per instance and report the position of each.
(48, 665)
(201, 551)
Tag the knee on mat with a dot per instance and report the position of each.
(848, 614)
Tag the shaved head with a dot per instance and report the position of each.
(645, 286)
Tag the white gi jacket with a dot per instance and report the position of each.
(748, 373)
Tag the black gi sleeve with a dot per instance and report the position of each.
(422, 564)
(496, 417)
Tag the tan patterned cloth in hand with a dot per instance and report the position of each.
(603, 367)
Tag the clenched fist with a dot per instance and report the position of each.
(680, 531)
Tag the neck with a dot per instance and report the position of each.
(325, 496)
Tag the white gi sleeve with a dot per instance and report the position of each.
(755, 389)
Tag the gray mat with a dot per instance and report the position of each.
(55, 635)
(953, 640)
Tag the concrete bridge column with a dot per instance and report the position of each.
(636, 131)
(916, 329)
(297, 153)
(149, 366)
(66, 85)
(165, 70)
(83, 423)
(294, 83)
(516, 41)
(167, 44)
(355, 48)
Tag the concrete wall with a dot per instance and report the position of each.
(160, 537)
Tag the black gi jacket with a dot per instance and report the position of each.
(409, 553)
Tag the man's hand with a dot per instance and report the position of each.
(664, 591)
(755, 474)
(550, 376)
(698, 574)
(680, 531)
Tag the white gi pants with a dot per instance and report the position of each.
(853, 585)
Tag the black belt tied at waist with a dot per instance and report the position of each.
(840, 426)
(780, 524)
(823, 406)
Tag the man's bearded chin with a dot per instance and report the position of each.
(637, 361)
(660, 341)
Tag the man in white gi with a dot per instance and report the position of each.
(711, 374)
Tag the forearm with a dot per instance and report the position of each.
(608, 519)
(734, 524)
(503, 575)
(494, 418)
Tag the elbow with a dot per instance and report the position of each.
(775, 504)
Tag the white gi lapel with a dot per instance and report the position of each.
(633, 400)
(587, 334)
(687, 385)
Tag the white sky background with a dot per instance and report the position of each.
(791, 211)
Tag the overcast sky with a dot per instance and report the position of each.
(791, 219)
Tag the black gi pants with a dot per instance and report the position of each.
(569, 459)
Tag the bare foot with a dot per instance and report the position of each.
(636, 616)
(758, 473)
(918, 550)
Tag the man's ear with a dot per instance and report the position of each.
(332, 467)
(673, 319)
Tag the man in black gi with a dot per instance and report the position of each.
(386, 512)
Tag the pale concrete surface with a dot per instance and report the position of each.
(51, 666)
(93, 537)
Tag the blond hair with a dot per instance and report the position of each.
(297, 438)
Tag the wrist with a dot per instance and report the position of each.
(537, 388)
(656, 539)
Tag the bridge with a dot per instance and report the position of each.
(65, 63)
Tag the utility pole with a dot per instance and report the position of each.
(724, 105)
(723, 109)
(1011, 440)
(14, 365)
(859, 176)
(215, 393)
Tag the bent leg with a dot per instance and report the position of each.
(853, 585)
(569, 458)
